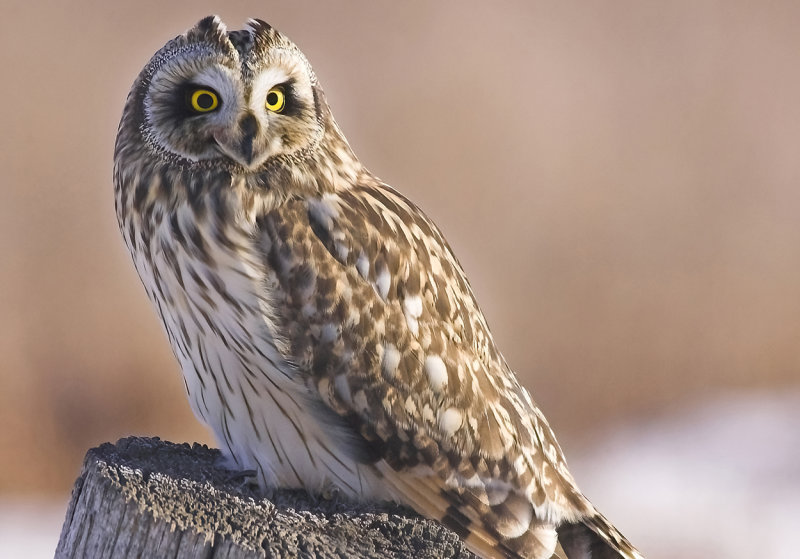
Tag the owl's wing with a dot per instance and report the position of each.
(378, 313)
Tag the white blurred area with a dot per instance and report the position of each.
(719, 479)
(29, 528)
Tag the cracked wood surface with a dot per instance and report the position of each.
(145, 497)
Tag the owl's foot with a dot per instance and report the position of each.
(331, 492)
(234, 475)
(242, 477)
(244, 480)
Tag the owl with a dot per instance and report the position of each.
(326, 332)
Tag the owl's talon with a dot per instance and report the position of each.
(244, 477)
(331, 493)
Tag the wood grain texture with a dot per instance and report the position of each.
(145, 497)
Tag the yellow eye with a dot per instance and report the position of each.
(276, 99)
(203, 100)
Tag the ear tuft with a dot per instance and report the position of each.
(212, 30)
(259, 25)
(210, 25)
(266, 37)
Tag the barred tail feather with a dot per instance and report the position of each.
(507, 527)
(507, 530)
(594, 537)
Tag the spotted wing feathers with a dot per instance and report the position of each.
(382, 324)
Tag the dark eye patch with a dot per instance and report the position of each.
(181, 99)
(294, 106)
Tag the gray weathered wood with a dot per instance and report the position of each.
(150, 498)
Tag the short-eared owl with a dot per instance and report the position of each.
(326, 332)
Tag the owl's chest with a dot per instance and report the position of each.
(213, 296)
(214, 300)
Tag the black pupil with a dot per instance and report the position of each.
(205, 101)
(272, 98)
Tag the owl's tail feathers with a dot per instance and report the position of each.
(506, 530)
(594, 537)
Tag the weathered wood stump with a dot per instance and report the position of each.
(150, 498)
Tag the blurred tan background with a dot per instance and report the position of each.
(619, 179)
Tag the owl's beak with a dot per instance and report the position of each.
(241, 146)
(249, 127)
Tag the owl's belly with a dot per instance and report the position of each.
(238, 380)
(261, 423)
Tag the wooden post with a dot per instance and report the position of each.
(150, 498)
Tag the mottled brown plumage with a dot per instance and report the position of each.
(326, 332)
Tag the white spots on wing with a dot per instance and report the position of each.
(329, 333)
(391, 360)
(427, 414)
(342, 389)
(450, 420)
(324, 210)
(382, 282)
(474, 482)
(497, 492)
(342, 250)
(412, 308)
(411, 406)
(437, 372)
(517, 517)
(309, 310)
(360, 402)
(326, 206)
(362, 265)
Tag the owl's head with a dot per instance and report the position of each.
(240, 99)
